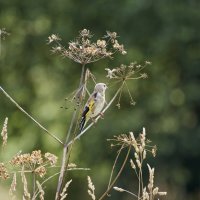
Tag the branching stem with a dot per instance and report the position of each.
(65, 149)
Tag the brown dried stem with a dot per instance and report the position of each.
(117, 176)
(65, 149)
(28, 115)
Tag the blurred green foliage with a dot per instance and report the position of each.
(163, 32)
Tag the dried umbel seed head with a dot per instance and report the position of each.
(83, 50)
(51, 158)
(85, 33)
(111, 35)
(41, 171)
(53, 38)
(101, 43)
(23, 159)
(36, 162)
(122, 74)
(36, 157)
(126, 72)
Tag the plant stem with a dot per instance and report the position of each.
(34, 190)
(116, 159)
(65, 148)
(28, 115)
(117, 176)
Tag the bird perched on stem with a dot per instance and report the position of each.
(94, 104)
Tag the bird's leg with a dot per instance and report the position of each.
(94, 120)
(101, 114)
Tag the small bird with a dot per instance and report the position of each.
(94, 104)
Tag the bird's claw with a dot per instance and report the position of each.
(101, 114)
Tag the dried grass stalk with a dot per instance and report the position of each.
(24, 181)
(13, 185)
(91, 188)
(64, 191)
(41, 191)
(4, 132)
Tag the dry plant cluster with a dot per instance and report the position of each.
(36, 164)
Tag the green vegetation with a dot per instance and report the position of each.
(166, 33)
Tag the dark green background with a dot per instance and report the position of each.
(167, 33)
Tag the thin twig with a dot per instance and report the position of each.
(28, 115)
(139, 184)
(116, 159)
(130, 193)
(117, 176)
(123, 190)
(142, 185)
(34, 186)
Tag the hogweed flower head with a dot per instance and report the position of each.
(51, 158)
(124, 73)
(127, 72)
(35, 162)
(36, 157)
(41, 171)
(83, 50)
(53, 38)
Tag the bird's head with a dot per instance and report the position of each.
(100, 87)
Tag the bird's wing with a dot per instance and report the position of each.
(88, 109)
(91, 103)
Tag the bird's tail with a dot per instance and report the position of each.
(82, 123)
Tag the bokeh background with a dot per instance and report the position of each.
(167, 33)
